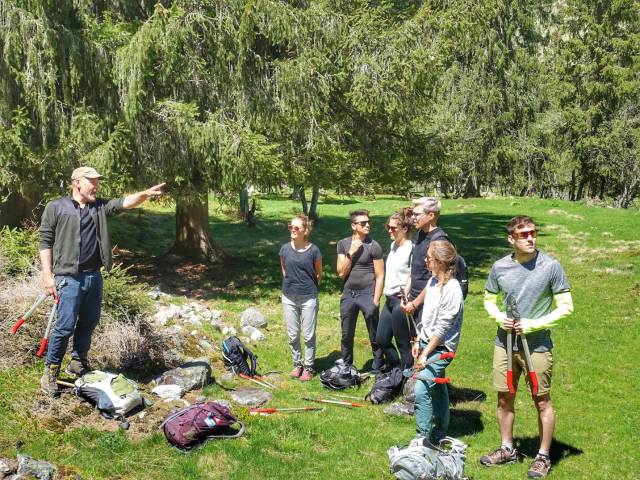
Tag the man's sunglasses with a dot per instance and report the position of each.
(363, 223)
(524, 235)
(294, 228)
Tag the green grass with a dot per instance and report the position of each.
(594, 389)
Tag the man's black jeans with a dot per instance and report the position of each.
(353, 302)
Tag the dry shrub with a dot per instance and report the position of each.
(132, 343)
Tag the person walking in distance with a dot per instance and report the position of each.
(301, 265)
(536, 281)
(74, 245)
(361, 267)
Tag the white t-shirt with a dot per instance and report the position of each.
(442, 313)
(398, 267)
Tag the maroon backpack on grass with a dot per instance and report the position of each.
(188, 427)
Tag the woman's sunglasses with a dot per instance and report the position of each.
(391, 229)
(294, 228)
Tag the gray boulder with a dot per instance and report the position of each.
(253, 333)
(400, 409)
(190, 376)
(253, 316)
(408, 390)
(250, 397)
(7, 466)
(27, 466)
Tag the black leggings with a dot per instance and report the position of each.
(393, 324)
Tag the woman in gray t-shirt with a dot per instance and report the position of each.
(301, 265)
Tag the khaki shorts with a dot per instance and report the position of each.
(542, 365)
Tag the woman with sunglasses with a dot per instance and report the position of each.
(440, 333)
(301, 265)
(394, 324)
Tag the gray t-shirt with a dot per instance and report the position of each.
(300, 273)
(361, 276)
(533, 284)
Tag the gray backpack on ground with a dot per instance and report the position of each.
(421, 460)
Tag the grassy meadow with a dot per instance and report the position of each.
(595, 390)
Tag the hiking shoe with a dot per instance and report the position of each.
(540, 467)
(499, 456)
(296, 372)
(307, 375)
(78, 367)
(48, 383)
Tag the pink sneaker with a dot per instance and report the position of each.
(307, 375)
(296, 372)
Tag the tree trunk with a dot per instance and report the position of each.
(313, 210)
(244, 203)
(21, 206)
(303, 199)
(192, 229)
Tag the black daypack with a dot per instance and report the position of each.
(340, 376)
(387, 387)
(462, 272)
(237, 357)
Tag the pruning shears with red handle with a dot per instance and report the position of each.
(45, 339)
(512, 312)
(23, 318)
(442, 356)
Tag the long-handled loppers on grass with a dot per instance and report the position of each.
(512, 312)
(257, 380)
(270, 411)
(335, 402)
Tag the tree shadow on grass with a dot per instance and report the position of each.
(328, 361)
(460, 395)
(252, 267)
(559, 450)
(464, 422)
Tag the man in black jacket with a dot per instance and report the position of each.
(74, 244)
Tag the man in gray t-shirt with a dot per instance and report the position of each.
(535, 280)
(361, 266)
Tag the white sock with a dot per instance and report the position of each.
(544, 453)
(508, 445)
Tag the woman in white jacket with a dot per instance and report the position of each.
(440, 333)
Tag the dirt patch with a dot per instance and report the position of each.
(562, 213)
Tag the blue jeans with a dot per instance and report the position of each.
(432, 399)
(78, 314)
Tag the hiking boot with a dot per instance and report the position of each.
(307, 375)
(296, 372)
(48, 383)
(540, 467)
(78, 367)
(500, 456)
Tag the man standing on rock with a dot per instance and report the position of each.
(74, 244)
(361, 267)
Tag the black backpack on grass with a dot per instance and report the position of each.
(237, 357)
(386, 387)
(340, 376)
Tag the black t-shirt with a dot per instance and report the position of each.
(89, 254)
(420, 275)
(300, 274)
(362, 275)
